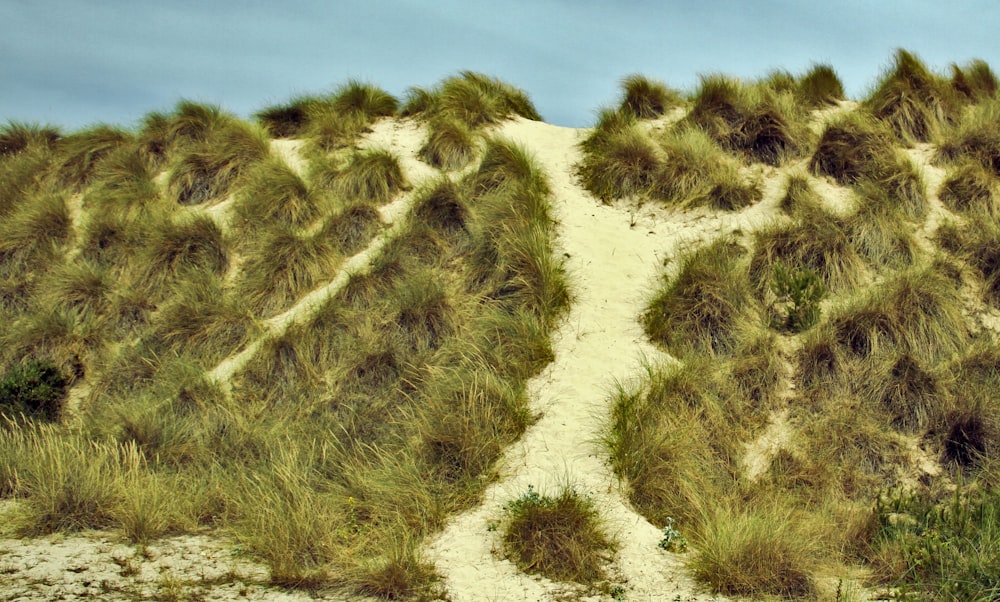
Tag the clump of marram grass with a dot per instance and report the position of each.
(450, 144)
(975, 81)
(976, 137)
(443, 206)
(969, 188)
(978, 243)
(122, 183)
(764, 125)
(373, 175)
(201, 320)
(696, 172)
(283, 266)
(852, 148)
(78, 154)
(701, 307)
(914, 102)
(669, 438)
(621, 164)
(288, 120)
(753, 553)
(645, 98)
(36, 232)
(352, 228)
(16, 137)
(192, 243)
(273, 193)
(559, 537)
(471, 98)
(207, 171)
(820, 86)
(879, 232)
(917, 311)
(819, 241)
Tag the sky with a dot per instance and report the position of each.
(76, 63)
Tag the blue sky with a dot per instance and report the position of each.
(74, 63)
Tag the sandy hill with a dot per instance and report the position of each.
(737, 343)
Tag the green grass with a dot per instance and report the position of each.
(703, 305)
(289, 120)
(969, 188)
(34, 389)
(620, 164)
(914, 102)
(559, 537)
(941, 549)
(194, 243)
(471, 98)
(645, 98)
(820, 86)
(852, 148)
(374, 175)
(80, 153)
(450, 144)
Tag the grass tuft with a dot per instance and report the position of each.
(755, 553)
(373, 175)
(209, 169)
(914, 102)
(16, 137)
(645, 98)
(820, 86)
(701, 308)
(559, 537)
(450, 144)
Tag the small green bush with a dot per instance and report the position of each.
(799, 292)
(34, 388)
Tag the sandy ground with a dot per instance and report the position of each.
(614, 255)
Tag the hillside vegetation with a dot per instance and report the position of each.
(296, 335)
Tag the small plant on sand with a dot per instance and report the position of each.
(672, 540)
(799, 293)
(559, 537)
(647, 99)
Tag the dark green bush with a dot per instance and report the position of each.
(35, 389)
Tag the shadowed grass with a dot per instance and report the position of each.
(852, 147)
(976, 137)
(16, 137)
(975, 81)
(290, 120)
(969, 188)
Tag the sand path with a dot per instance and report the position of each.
(614, 256)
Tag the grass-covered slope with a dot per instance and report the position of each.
(853, 343)
(136, 263)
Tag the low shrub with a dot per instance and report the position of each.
(33, 388)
